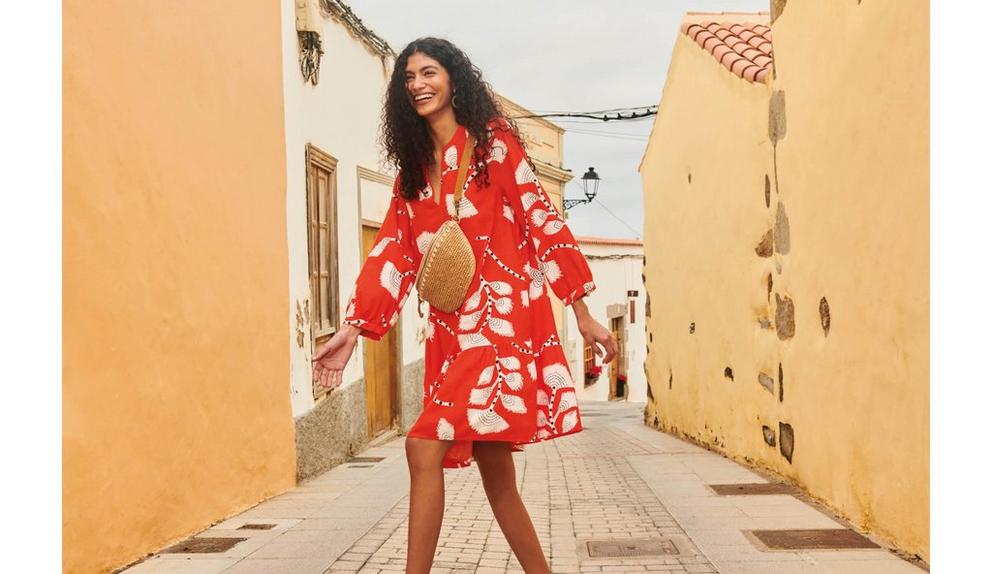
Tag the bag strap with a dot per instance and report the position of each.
(463, 170)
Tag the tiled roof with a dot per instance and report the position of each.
(744, 48)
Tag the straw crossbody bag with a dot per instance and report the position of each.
(448, 265)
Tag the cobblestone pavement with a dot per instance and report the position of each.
(618, 480)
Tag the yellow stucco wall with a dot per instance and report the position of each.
(176, 407)
(851, 176)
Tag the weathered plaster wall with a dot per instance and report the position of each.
(175, 403)
(790, 314)
(343, 123)
(331, 432)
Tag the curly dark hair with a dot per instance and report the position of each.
(406, 138)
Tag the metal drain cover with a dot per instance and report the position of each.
(812, 539)
(206, 545)
(752, 488)
(256, 526)
(366, 458)
(621, 548)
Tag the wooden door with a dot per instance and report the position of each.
(623, 389)
(381, 364)
(616, 329)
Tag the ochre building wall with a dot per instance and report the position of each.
(176, 408)
(794, 310)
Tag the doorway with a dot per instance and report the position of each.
(618, 378)
(382, 364)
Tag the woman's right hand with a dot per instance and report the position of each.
(330, 360)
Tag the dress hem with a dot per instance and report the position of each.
(515, 446)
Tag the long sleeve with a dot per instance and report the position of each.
(387, 275)
(562, 264)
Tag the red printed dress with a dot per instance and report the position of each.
(494, 368)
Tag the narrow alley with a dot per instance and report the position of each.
(617, 497)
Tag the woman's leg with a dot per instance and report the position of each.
(424, 457)
(499, 478)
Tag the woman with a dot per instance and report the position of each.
(496, 377)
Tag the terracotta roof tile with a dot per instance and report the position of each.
(744, 48)
(740, 65)
(751, 72)
(752, 55)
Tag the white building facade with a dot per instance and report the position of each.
(337, 191)
(619, 304)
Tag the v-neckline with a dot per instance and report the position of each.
(440, 195)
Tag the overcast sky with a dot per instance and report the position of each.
(566, 55)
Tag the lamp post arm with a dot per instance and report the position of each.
(570, 203)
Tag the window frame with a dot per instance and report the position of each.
(317, 159)
(588, 360)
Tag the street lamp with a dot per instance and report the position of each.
(590, 185)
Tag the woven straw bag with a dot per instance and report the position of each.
(448, 266)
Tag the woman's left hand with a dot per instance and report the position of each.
(596, 336)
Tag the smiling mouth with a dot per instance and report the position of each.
(423, 98)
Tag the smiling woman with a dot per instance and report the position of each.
(495, 373)
(428, 84)
(434, 89)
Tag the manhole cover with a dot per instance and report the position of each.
(752, 488)
(621, 548)
(256, 527)
(812, 539)
(207, 545)
(366, 458)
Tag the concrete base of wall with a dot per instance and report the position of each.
(334, 430)
(337, 427)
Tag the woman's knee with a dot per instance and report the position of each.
(424, 455)
(492, 452)
(495, 462)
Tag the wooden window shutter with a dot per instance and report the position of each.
(322, 241)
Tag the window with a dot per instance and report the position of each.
(322, 241)
(590, 370)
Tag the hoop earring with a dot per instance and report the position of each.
(454, 100)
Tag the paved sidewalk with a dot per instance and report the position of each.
(616, 480)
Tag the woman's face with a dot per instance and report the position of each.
(427, 84)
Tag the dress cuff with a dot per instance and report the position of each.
(367, 330)
(578, 292)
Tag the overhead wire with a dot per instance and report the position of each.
(587, 122)
(599, 115)
(615, 216)
(618, 218)
(597, 111)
